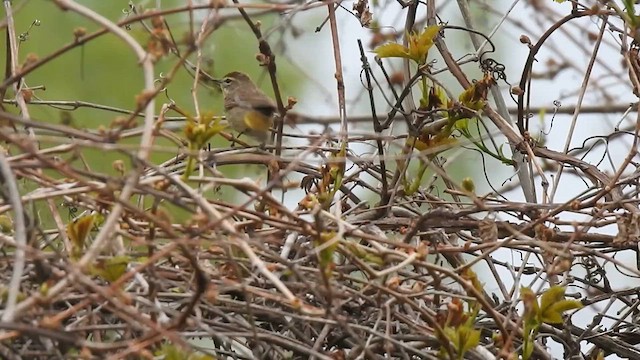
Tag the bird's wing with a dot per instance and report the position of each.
(254, 99)
(262, 103)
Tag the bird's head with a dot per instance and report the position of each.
(235, 80)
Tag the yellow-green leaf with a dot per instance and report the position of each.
(438, 97)
(527, 349)
(553, 314)
(78, 230)
(475, 96)
(472, 277)
(198, 133)
(462, 125)
(432, 144)
(419, 44)
(171, 352)
(392, 50)
(468, 184)
(112, 268)
(531, 308)
(552, 305)
(433, 97)
(115, 267)
(471, 339)
(468, 99)
(552, 295)
(328, 245)
(462, 338)
(6, 224)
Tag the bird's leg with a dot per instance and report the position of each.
(233, 142)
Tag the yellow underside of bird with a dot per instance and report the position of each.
(257, 121)
(250, 122)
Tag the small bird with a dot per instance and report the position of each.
(248, 110)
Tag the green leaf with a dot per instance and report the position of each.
(328, 246)
(424, 99)
(630, 10)
(527, 349)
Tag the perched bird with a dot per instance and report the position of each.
(248, 110)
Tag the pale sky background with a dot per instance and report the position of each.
(513, 54)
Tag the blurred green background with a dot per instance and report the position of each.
(105, 71)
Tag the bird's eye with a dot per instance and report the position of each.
(227, 81)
